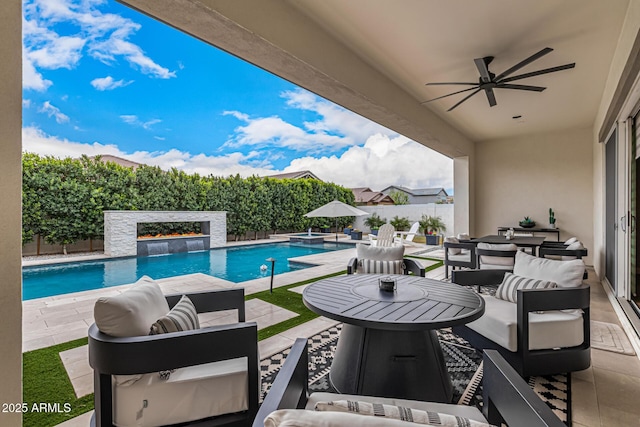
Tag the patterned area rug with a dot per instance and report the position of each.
(463, 363)
(610, 337)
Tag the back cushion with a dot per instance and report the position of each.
(131, 313)
(453, 251)
(497, 260)
(378, 253)
(567, 274)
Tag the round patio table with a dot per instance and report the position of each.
(388, 346)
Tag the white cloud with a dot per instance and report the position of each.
(135, 121)
(26, 103)
(104, 36)
(54, 112)
(107, 83)
(381, 162)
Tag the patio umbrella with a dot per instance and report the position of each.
(335, 210)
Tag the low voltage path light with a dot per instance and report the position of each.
(273, 263)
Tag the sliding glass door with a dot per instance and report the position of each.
(611, 219)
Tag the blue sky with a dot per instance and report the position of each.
(99, 78)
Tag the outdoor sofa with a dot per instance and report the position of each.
(200, 376)
(539, 317)
(507, 398)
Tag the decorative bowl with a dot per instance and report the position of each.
(527, 224)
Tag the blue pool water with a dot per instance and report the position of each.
(236, 264)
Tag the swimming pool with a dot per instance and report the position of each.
(236, 264)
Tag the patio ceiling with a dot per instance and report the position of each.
(375, 56)
(418, 41)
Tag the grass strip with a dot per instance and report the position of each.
(46, 381)
(292, 301)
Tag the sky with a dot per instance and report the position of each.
(100, 78)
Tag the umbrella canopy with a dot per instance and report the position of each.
(336, 209)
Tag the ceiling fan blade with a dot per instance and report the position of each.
(451, 83)
(481, 65)
(527, 61)
(464, 99)
(521, 87)
(444, 96)
(491, 97)
(539, 72)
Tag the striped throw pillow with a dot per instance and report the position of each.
(182, 317)
(370, 266)
(399, 413)
(508, 289)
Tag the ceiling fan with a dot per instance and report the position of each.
(488, 81)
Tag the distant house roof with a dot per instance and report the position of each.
(118, 160)
(417, 192)
(295, 175)
(364, 196)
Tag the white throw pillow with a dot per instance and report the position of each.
(453, 251)
(182, 317)
(571, 240)
(508, 289)
(566, 274)
(378, 253)
(131, 313)
(370, 266)
(463, 236)
(575, 245)
(308, 418)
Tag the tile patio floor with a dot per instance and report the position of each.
(606, 394)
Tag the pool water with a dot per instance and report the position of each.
(236, 264)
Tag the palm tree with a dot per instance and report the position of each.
(432, 224)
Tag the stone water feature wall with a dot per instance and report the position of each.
(121, 231)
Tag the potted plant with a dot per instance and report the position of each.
(325, 228)
(347, 230)
(552, 218)
(400, 224)
(431, 226)
(527, 223)
(374, 222)
(356, 234)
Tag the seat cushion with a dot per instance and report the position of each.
(311, 418)
(566, 274)
(551, 329)
(469, 412)
(379, 253)
(189, 394)
(508, 289)
(132, 312)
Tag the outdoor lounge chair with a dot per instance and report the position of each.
(381, 260)
(406, 237)
(458, 254)
(207, 376)
(546, 330)
(507, 399)
(385, 236)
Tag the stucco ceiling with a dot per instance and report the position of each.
(418, 41)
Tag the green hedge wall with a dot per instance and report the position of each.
(63, 199)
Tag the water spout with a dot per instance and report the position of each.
(195, 246)
(157, 248)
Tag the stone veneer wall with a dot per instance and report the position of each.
(121, 233)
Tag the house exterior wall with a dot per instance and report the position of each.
(525, 176)
(10, 214)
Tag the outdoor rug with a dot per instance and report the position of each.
(610, 337)
(463, 363)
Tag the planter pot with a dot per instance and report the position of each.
(374, 231)
(432, 239)
(552, 225)
(325, 230)
(356, 235)
(347, 230)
